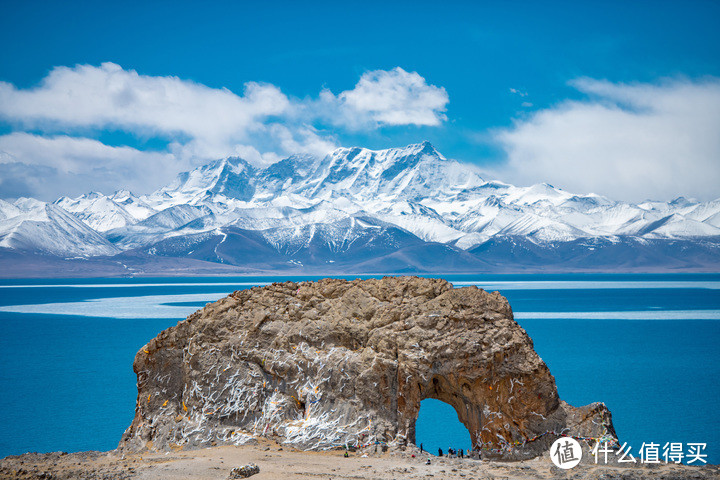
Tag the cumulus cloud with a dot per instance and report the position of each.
(627, 141)
(109, 96)
(199, 123)
(47, 167)
(394, 97)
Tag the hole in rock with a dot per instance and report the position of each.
(438, 426)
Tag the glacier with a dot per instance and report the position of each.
(356, 211)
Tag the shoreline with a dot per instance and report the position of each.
(295, 274)
(277, 461)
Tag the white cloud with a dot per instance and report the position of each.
(302, 139)
(629, 142)
(198, 122)
(48, 167)
(108, 96)
(392, 98)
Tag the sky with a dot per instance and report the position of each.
(616, 98)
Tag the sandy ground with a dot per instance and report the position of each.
(277, 462)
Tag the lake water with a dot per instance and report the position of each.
(646, 345)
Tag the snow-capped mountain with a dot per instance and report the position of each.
(364, 209)
(32, 225)
(103, 213)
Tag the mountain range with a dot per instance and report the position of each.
(353, 211)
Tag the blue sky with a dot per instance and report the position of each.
(618, 98)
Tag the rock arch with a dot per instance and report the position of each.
(323, 364)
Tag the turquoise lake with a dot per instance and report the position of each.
(646, 345)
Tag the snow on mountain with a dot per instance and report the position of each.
(49, 229)
(168, 222)
(617, 219)
(8, 210)
(678, 226)
(702, 212)
(357, 238)
(540, 194)
(173, 217)
(231, 177)
(97, 211)
(103, 213)
(419, 219)
(285, 176)
(345, 180)
(133, 205)
(420, 191)
(324, 206)
(414, 173)
(713, 220)
(541, 228)
(264, 218)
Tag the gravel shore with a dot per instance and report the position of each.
(278, 462)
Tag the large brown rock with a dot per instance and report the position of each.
(319, 365)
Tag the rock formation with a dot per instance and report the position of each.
(333, 363)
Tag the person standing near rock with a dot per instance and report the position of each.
(421, 448)
(439, 452)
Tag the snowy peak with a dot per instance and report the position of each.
(682, 202)
(133, 205)
(231, 177)
(326, 204)
(29, 204)
(418, 189)
(49, 229)
(679, 226)
(8, 210)
(414, 172)
(234, 179)
(103, 213)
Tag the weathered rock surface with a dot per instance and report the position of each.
(244, 472)
(319, 365)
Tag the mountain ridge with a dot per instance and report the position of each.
(355, 206)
